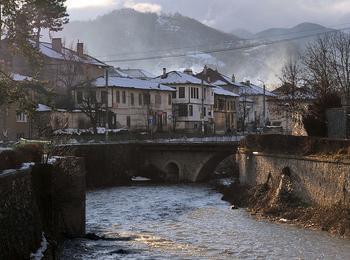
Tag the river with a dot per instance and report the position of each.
(189, 222)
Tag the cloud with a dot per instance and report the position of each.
(144, 7)
(83, 3)
(227, 15)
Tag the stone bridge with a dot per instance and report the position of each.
(109, 164)
(186, 162)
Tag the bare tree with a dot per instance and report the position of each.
(319, 74)
(90, 106)
(291, 98)
(340, 62)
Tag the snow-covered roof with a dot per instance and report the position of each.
(131, 83)
(252, 90)
(177, 77)
(219, 83)
(300, 93)
(19, 77)
(43, 108)
(222, 92)
(67, 54)
(136, 73)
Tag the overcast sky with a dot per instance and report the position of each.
(227, 15)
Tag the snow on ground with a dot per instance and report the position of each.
(75, 131)
(140, 179)
(39, 254)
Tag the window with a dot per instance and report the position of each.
(222, 104)
(132, 99)
(147, 99)
(195, 93)
(183, 110)
(170, 99)
(165, 118)
(128, 121)
(204, 93)
(190, 110)
(104, 97)
(21, 117)
(174, 94)
(181, 92)
(92, 96)
(140, 99)
(204, 111)
(124, 97)
(158, 99)
(117, 96)
(79, 97)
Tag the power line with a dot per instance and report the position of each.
(321, 30)
(220, 50)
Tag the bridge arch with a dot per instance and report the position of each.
(172, 171)
(209, 166)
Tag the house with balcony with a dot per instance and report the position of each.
(134, 104)
(193, 101)
(254, 100)
(226, 108)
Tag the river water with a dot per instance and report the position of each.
(189, 222)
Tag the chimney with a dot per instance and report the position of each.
(164, 73)
(205, 70)
(233, 78)
(188, 71)
(80, 49)
(247, 82)
(57, 44)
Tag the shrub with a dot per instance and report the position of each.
(30, 152)
(10, 160)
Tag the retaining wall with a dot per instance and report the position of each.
(317, 180)
(47, 199)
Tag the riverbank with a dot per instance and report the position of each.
(281, 206)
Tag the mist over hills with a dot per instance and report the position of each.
(126, 34)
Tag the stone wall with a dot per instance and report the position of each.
(318, 181)
(20, 222)
(337, 124)
(47, 199)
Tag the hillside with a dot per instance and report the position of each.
(128, 35)
(128, 31)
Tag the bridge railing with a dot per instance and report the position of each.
(199, 140)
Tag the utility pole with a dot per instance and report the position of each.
(202, 114)
(107, 114)
(264, 102)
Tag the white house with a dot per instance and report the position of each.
(193, 101)
(133, 103)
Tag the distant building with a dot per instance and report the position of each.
(132, 103)
(226, 108)
(62, 67)
(14, 123)
(193, 101)
(135, 73)
(288, 107)
(252, 102)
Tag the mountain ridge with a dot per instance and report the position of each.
(125, 34)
